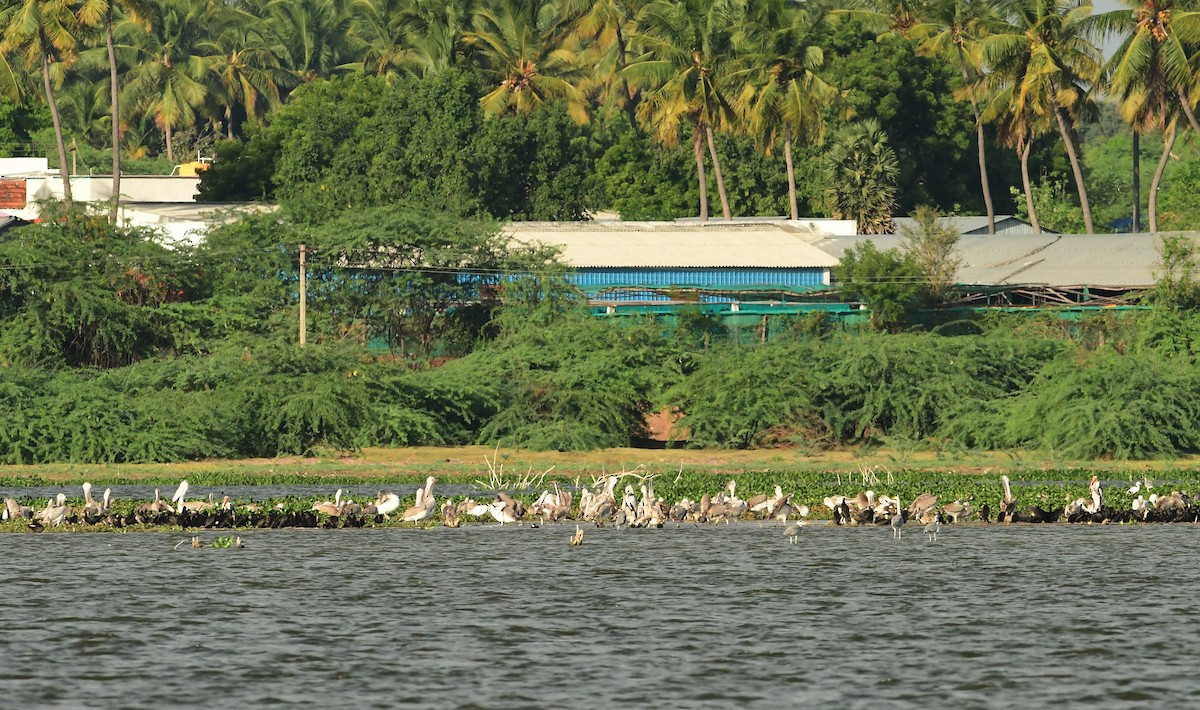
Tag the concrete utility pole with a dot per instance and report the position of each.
(303, 299)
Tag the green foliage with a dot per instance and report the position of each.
(242, 170)
(860, 177)
(1057, 206)
(932, 240)
(1179, 206)
(1110, 405)
(911, 97)
(360, 142)
(851, 389)
(890, 282)
(1176, 286)
(79, 292)
(582, 384)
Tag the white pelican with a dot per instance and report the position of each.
(502, 512)
(387, 503)
(333, 507)
(921, 504)
(424, 506)
(1008, 504)
(14, 510)
(90, 506)
(472, 508)
(55, 511)
(192, 505)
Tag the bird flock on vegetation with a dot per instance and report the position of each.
(602, 505)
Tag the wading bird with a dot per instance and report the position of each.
(898, 524)
(932, 528)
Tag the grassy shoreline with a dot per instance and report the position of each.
(476, 462)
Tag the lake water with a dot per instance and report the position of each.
(482, 616)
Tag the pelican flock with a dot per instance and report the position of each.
(637, 505)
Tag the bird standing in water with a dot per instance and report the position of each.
(577, 538)
(933, 527)
(898, 524)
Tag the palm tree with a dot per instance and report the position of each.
(688, 51)
(1150, 73)
(315, 35)
(379, 27)
(608, 27)
(434, 31)
(525, 57)
(860, 177)
(1043, 52)
(92, 13)
(245, 70)
(953, 30)
(1017, 125)
(169, 77)
(42, 32)
(784, 93)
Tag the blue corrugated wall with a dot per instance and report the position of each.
(593, 280)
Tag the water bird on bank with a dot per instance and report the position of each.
(386, 503)
(1008, 504)
(922, 504)
(192, 505)
(14, 510)
(472, 508)
(449, 516)
(158, 505)
(55, 511)
(502, 512)
(956, 511)
(577, 538)
(333, 508)
(424, 506)
(1097, 497)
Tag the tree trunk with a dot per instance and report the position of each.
(1033, 220)
(697, 143)
(632, 95)
(981, 142)
(1186, 102)
(1137, 182)
(1168, 143)
(170, 149)
(1076, 170)
(58, 133)
(229, 122)
(712, 149)
(115, 89)
(791, 171)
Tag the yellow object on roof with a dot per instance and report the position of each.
(193, 169)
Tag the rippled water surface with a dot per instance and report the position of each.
(1020, 616)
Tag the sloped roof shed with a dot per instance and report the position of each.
(642, 260)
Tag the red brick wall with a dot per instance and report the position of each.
(12, 194)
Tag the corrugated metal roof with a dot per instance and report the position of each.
(977, 224)
(1098, 260)
(600, 244)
